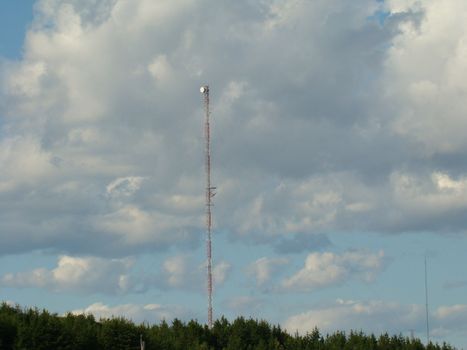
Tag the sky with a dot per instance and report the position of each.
(338, 153)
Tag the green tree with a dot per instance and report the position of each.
(23, 329)
(82, 330)
(118, 334)
(8, 332)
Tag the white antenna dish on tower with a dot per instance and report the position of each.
(203, 89)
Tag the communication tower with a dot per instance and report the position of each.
(210, 192)
(426, 307)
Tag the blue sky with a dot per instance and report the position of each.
(338, 154)
(16, 16)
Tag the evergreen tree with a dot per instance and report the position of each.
(32, 329)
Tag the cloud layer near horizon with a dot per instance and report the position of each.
(379, 317)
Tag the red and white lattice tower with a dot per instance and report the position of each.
(209, 194)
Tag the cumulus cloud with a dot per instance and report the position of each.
(221, 272)
(380, 317)
(90, 275)
(429, 98)
(182, 272)
(451, 318)
(328, 269)
(124, 186)
(374, 316)
(311, 136)
(245, 305)
(134, 226)
(78, 274)
(151, 313)
(327, 116)
(425, 201)
(263, 269)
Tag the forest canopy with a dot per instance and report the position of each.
(31, 328)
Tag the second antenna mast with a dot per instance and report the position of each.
(209, 194)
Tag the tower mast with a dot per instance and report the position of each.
(426, 307)
(209, 194)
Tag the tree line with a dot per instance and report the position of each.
(31, 328)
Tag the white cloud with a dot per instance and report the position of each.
(26, 80)
(177, 271)
(245, 305)
(440, 192)
(263, 269)
(107, 89)
(328, 269)
(380, 317)
(90, 275)
(161, 70)
(182, 272)
(135, 226)
(355, 122)
(371, 316)
(451, 318)
(24, 163)
(124, 186)
(220, 272)
(82, 275)
(94, 106)
(423, 81)
(424, 202)
(151, 313)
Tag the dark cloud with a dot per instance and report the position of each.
(455, 284)
(302, 243)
